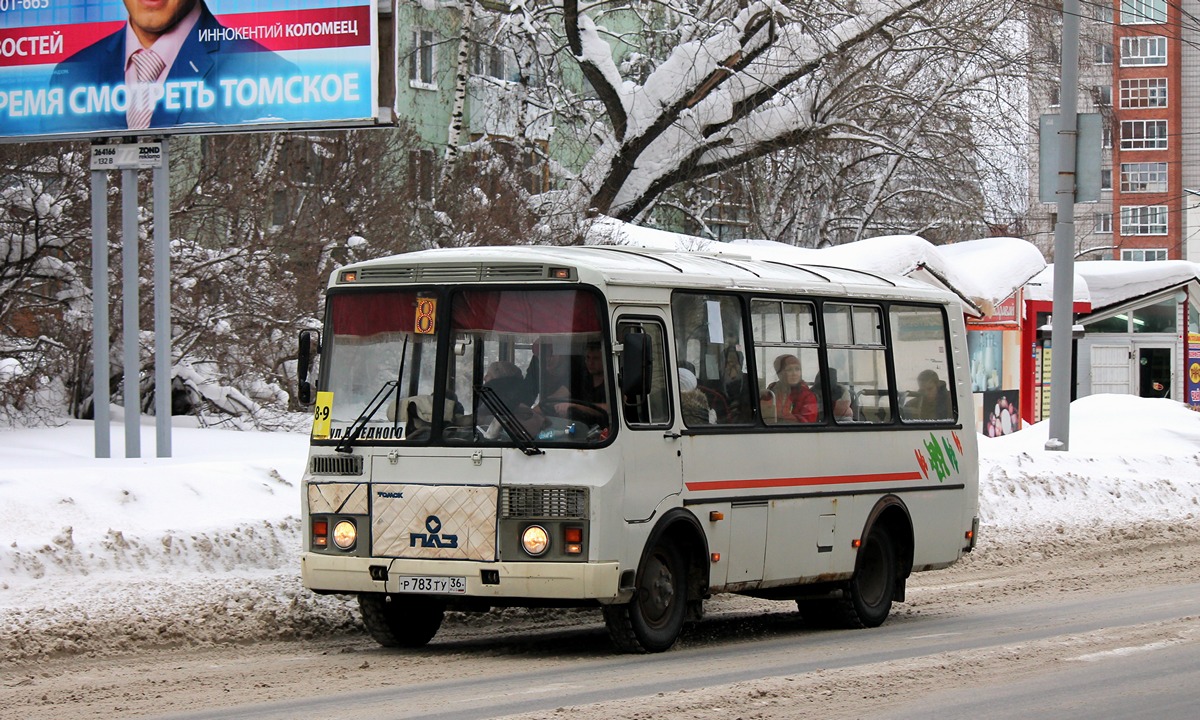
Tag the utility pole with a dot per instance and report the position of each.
(1063, 321)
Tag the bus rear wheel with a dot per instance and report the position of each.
(868, 596)
(406, 621)
(652, 620)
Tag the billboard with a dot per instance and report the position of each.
(128, 67)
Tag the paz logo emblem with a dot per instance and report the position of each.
(433, 537)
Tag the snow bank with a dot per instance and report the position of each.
(226, 501)
(1130, 460)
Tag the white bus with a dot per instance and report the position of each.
(633, 429)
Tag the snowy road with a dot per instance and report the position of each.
(1014, 616)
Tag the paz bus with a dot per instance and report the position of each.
(631, 429)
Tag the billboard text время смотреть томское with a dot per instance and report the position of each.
(124, 67)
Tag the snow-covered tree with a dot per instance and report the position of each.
(45, 308)
(260, 222)
(865, 107)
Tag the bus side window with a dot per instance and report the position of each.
(857, 358)
(709, 337)
(923, 377)
(788, 362)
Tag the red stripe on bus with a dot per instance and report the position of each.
(802, 481)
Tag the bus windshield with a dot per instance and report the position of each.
(515, 366)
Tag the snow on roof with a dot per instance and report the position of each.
(982, 273)
(1112, 283)
(610, 231)
(997, 265)
(1108, 283)
(1041, 287)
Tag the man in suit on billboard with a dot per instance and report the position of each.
(174, 43)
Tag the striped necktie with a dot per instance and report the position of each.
(146, 67)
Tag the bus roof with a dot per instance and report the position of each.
(615, 265)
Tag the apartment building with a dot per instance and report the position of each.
(1138, 70)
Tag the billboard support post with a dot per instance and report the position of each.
(162, 305)
(131, 158)
(100, 334)
(129, 313)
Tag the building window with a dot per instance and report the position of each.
(1143, 134)
(1104, 223)
(1144, 254)
(1143, 51)
(1144, 220)
(1102, 12)
(1144, 93)
(1106, 136)
(1106, 179)
(1102, 95)
(1102, 53)
(1144, 177)
(421, 60)
(1055, 97)
(496, 62)
(1141, 12)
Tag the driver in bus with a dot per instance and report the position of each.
(584, 398)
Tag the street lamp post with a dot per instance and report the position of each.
(1063, 317)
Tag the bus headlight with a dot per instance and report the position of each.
(345, 534)
(535, 540)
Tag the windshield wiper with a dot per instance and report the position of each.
(508, 421)
(365, 416)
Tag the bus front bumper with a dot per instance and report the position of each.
(534, 580)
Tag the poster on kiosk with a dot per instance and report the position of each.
(128, 67)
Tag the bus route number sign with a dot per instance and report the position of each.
(426, 315)
(322, 416)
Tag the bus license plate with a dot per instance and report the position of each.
(436, 585)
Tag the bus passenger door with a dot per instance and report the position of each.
(649, 447)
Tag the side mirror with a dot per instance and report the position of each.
(635, 364)
(304, 390)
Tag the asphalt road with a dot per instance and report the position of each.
(1154, 678)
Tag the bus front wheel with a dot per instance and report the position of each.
(652, 620)
(406, 621)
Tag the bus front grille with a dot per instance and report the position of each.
(336, 465)
(537, 502)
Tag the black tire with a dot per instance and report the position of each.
(652, 620)
(406, 621)
(868, 595)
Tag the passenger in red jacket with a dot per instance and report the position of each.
(794, 401)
